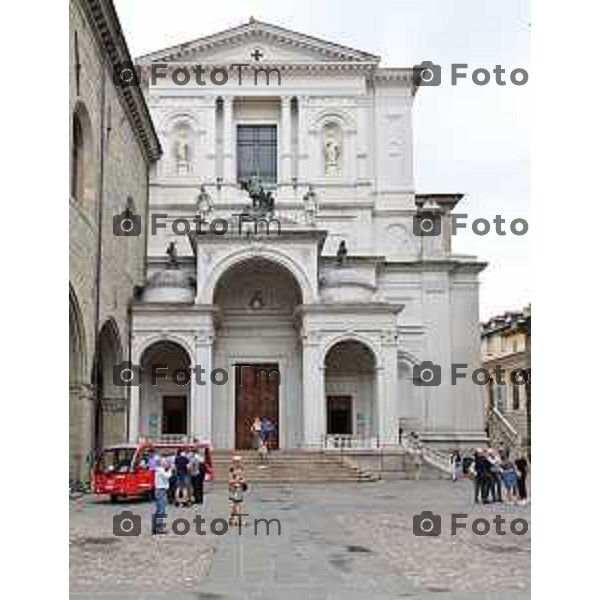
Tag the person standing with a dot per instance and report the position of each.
(267, 431)
(456, 464)
(256, 431)
(199, 487)
(495, 474)
(263, 452)
(481, 468)
(509, 477)
(193, 471)
(162, 474)
(183, 479)
(522, 466)
(417, 458)
(154, 460)
(237, 486)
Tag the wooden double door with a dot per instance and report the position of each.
(256, 395)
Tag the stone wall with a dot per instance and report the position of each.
(116, 168)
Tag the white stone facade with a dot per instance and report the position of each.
(351, 326)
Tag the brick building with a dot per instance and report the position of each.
(112, 146)
(506, 341)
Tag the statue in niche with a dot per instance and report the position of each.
(182, 157)
(310, 205)
(204, 204)
(332, 156)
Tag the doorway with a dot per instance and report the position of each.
(174, 415)
(339, 415)
(256, 395)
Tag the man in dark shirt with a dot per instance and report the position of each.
(482, 477)
(181, 463)
(182, 491)
(522, 467)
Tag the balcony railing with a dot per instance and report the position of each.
(337, 441)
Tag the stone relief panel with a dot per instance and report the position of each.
(396, 135)
(400, 242)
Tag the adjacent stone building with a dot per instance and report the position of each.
(333, 289)
(506, 341)
(112, 145)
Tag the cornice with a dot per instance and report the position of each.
(105, 24)
(451, 263)
(362, 308)
(444, 200)
(396, 74)
(317, 68)
(260, 31)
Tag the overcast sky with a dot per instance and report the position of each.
(469, 139)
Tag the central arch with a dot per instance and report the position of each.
(257, 343)
(271, 255)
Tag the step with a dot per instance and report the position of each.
(287, 466)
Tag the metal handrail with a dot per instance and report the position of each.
(507, 424)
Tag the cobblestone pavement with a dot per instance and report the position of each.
(338, 541)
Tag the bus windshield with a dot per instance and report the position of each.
(116, 460)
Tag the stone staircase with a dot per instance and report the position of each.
(502, 432)
(288, 466)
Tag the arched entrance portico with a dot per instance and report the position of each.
(256, 340)
(78, 390)
(165, 393)
(350, 393)
(109, 399)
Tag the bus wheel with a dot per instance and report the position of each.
(113, 498)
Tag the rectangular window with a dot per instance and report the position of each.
(257, 152)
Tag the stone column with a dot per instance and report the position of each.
(81, 415)
(134, 414)
(302, 167)
(212, 162)
(313, 394)
(201, 396)
(229, 174)
(387, 401)
(285, 130)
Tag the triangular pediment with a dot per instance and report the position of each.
(275, 45)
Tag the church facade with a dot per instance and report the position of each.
(295, 285)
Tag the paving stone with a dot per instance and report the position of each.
(338, 541)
